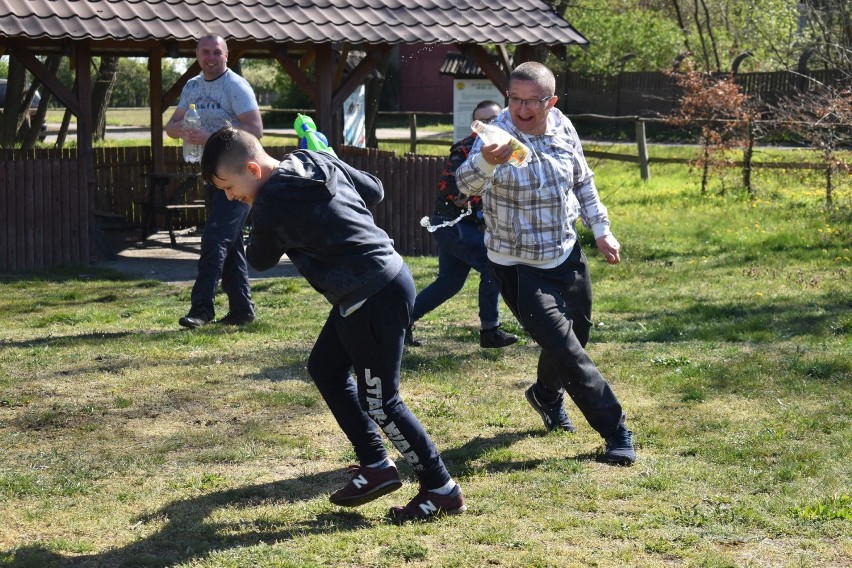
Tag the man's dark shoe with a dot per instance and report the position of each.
(236, 319)
(496, 338)
(410, 339)
(428, 504)
(195, 318)
(367, 483)
(553, 415)
(619, 448)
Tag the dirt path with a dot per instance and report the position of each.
(156, 259)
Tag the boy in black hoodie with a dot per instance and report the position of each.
(313, 207)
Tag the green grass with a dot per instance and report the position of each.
(725, 332)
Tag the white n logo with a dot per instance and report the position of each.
(359, 481)
(428, 508)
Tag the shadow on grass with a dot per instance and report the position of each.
(189, 533)
(759, 322)
(461, 461)
(66, 340)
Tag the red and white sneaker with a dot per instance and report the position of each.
(428, 504)
(367, 483)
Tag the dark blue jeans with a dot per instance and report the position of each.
(460, 248)
(223, 256)
(370, 341)
(555, 307)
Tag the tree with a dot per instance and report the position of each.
(615, 28)
(262, 75)
(128, 90)
(829, 23)
(714, 31)
(101, 93)
(17, 104)
(52, 63)
(821, 119)
(721, 112)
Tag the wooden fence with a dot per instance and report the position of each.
(50, 218)
(652, 94)
(46, 216)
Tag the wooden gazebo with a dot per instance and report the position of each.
(309, 39)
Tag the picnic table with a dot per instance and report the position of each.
(160, 202)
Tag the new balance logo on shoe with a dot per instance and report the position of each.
(428, 505)
(428, 508)
(359, 481)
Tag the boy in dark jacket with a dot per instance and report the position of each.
(313, 207)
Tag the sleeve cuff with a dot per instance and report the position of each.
(601, 230)
(483, 166)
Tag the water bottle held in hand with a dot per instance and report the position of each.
(191, 121)
(492, 135)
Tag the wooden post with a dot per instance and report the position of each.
(155, 93)
(641, 145)
(412, 125)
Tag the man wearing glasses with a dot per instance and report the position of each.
(535, 255)
(461, 247)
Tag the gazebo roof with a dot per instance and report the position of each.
(121, 23)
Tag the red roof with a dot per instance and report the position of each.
(290, 21)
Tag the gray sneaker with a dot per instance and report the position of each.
(553, 415)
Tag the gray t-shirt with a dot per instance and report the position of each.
(219, 101)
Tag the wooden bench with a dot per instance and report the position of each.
(160, 202)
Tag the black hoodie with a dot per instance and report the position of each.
(314, 209)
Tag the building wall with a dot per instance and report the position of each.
(421, 87)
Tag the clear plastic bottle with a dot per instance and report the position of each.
(191, 121)
(492, 135)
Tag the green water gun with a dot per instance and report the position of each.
(309, 137)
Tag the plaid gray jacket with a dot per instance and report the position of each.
(530, 212)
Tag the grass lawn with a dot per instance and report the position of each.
(726, 332)
(141, 117)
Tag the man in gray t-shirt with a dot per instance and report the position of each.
(221, 98)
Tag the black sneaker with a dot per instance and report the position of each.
(428, 504)
(410, 339)
(553, 415)
(367, 483)
(496, 338)
(236, 319)
(195, 318)
(619, 448)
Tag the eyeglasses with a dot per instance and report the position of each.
(529, 103)
(488, 120)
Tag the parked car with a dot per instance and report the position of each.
(33, 107)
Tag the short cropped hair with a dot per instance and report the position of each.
(486, 104)
(537, 73)
(228, 149)
(215, 37)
